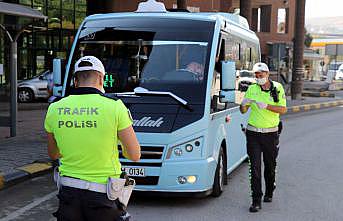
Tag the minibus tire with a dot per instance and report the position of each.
(218, 184)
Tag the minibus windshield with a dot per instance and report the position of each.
(157, 54)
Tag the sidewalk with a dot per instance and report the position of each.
(25, 156)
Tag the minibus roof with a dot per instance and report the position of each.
(221, 17)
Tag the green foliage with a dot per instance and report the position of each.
(308, 39)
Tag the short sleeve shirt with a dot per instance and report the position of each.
(85, 128)
(262, 118)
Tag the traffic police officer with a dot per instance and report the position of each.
(266, 99)
(83, 131)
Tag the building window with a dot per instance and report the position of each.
(282, 21)
(265, 18)
(189, 8)
(255, 19)
(261, 18)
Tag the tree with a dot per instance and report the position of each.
(308, 39)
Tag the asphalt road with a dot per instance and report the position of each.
(310, 184)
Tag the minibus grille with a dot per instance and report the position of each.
(149, 180)
(151, 156)
(146, 164)
(147, 152)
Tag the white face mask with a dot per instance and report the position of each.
(261, 81)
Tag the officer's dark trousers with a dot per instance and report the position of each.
(258, 144)
(84, 205)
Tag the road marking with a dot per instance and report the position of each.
(35, 203)
(307, 107)
(317, 106)
(296, 109)
(327, 104)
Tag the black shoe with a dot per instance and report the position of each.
(267, 199)
(255, 206)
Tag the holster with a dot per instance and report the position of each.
(280, 127)
(121, 189)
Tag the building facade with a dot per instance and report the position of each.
(46, 40)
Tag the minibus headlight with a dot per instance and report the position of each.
(181, 180)
(191, 179)
(186, 179)
(189, 148)
(178, 151)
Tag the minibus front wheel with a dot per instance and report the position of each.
(219, 177)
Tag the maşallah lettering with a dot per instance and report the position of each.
(147, 122)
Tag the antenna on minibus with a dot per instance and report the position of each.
(151, 6)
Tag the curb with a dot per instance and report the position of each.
(316, 106)
(336, 85)
(25, 172)
(317, 94)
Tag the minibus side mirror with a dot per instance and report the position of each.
(57, 77)
(228, 82)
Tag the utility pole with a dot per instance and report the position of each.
(298, 69)
(182, 4)
(245, 10)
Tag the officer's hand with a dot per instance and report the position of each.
(246, 101)
(261, 105)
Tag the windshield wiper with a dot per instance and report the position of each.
(140, 91)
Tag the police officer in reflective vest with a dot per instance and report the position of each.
(83, 131)
(267, 101)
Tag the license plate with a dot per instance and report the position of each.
(134, 171)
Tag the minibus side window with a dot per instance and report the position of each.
(215, 86)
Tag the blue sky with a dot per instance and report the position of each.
(323, 8)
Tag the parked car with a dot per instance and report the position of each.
(245, 79)
(333, 68)
(339, 73)
(35, 88)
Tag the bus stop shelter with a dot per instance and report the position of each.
(14, 20)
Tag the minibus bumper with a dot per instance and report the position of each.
(182, 178)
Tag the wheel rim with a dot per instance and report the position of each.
(24, 95)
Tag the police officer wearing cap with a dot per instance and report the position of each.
(266, 100)
(83, 131)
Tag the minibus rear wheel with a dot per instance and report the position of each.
(218, 184)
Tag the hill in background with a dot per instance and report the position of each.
(329, 25)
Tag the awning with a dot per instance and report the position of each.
(20, 11)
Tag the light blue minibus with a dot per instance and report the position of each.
(177, 72)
